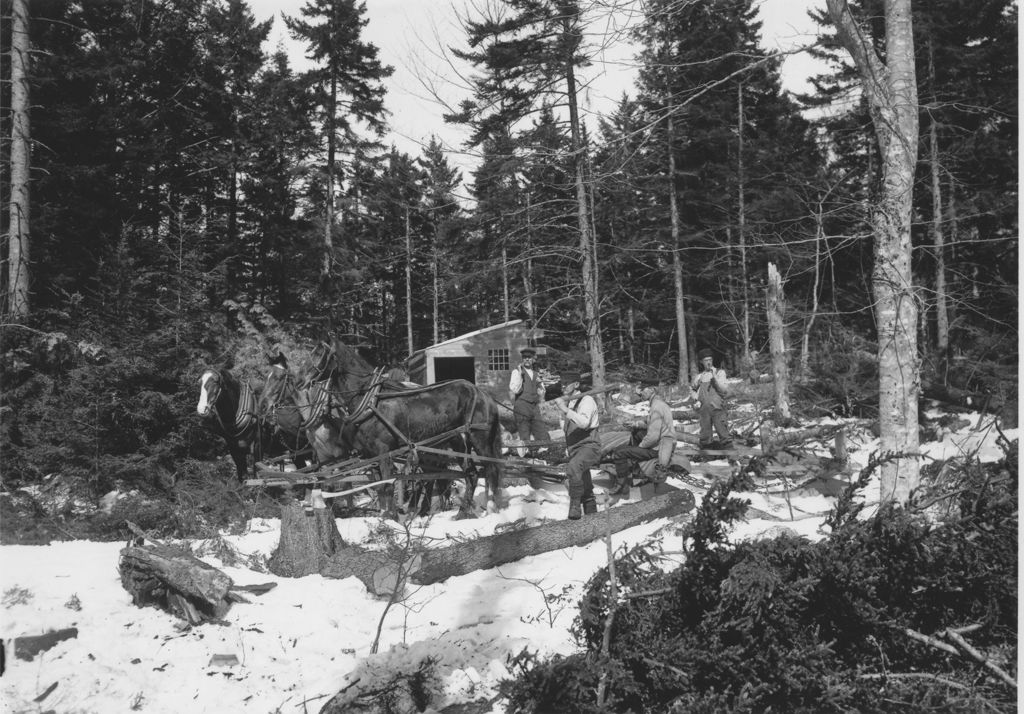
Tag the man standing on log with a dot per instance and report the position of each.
(581, 442)
(527, 392)
(658, 442)
(711, 392)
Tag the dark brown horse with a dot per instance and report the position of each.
(382, 417)
(228, 408)
(302, 410)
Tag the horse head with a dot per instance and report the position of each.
(227, 408)
(209, 392)
(341, 367)
(219, 394)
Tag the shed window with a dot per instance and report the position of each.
(497, 360)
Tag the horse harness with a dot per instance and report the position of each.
(245, 413)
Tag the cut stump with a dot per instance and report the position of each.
(309, 537)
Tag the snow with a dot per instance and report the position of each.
(303, 641)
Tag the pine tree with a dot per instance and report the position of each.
(531, 54)
(443, 228)
(347, 84)
(732, 150)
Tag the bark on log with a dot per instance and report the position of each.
(309, 537)
(381, 574)
(491, 551)
(176, 581)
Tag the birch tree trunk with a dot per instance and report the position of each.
(777, 342)
(891, 89)
(682, 374)
(18, 236)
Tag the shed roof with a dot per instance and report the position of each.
(468, 335)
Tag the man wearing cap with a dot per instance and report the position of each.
(527, 392)
(658, 442)
(709, 384)
(582, 444)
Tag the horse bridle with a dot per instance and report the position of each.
(319, 405)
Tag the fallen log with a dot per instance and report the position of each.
(490, 551)
(174, 580)
(310, 543)
(962, 398)
(28, 646)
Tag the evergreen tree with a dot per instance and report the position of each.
(443, 229)
(531, 54)
(277, 244)
(713, 99)
(347, 86)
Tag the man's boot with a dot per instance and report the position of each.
(590, 506)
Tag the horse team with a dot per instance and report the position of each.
(342, 408)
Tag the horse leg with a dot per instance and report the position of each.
(467, 509)
(387, 492)
(488, 445)
(240, 455)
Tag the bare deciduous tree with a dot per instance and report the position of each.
(890, 85)
(18, 231)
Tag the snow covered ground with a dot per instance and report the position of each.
(303, 641)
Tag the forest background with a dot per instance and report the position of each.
(196, 201)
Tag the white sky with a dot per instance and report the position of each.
(414, 36)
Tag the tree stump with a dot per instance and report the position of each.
(176, 581)
(309, 537)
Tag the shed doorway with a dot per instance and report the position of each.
(446, 368)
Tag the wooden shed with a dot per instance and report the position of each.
(485, 357)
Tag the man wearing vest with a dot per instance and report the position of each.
(526, 392)
(582, 444)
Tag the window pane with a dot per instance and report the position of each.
(497, 360)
